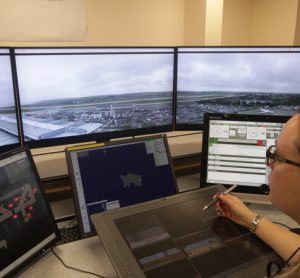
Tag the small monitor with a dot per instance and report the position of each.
(79, 94)
(234, 150)
(9, 130)
(236, 80)
(111, 175)
(173, 237)
(27, 226)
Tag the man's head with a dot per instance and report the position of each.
(284, 178)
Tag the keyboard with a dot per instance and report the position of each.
(69, 234)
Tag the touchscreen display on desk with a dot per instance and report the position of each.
(174, 238)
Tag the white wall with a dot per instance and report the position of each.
(237, 22)
(213, 22)
(136, 22)
(194, 22)
(185, 22)
(274, 22)
(251, 22)
(128, 23)
(297, 29)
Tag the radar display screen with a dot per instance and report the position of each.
(113, 175)
(26, 223)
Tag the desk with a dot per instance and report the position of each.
(89, 254)
(273, 214)
(86, 254)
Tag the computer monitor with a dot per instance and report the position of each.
(27, 226)
(9, 129)
(234, 150)
(111, 175)
(242, 80)
(70, 95)
(173, 237)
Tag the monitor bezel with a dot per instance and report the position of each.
(104, 144)
(99, 137)
(46, 247)
(8, 147)
(263, 189)
(220, 49)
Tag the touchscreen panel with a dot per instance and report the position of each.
(174, 238)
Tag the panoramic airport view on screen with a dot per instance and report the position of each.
(237, 82)
(72, 92)
(8, 121)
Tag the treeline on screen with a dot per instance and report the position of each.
(61, 95)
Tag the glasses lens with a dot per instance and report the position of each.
(271, 153)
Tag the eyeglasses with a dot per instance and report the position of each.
(272, 156)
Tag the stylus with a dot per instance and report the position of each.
(215, 200)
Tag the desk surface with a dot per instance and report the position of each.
(86, 254)
(89, 254)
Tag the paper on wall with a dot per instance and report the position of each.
(42, 20)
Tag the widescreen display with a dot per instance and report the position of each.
(9, 135)
(261, 81)
(75, 92)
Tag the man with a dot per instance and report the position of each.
(284, 182)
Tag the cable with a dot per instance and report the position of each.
(281, 224)
(73, 268)
(279, 264)
(291, 256)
